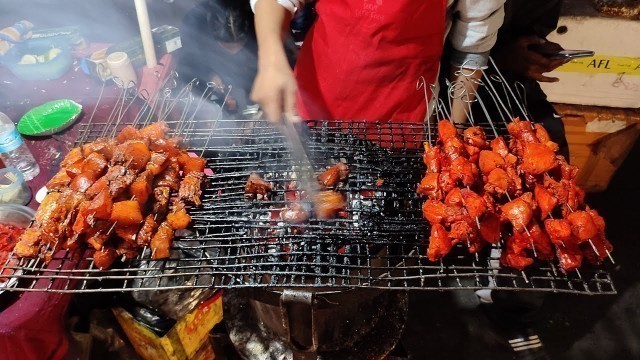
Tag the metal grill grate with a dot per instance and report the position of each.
(235, 242)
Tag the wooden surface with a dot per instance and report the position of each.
(598, 154)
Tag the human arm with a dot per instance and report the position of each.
(274, 88)
(473, 33)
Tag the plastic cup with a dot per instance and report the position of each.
(13, 188)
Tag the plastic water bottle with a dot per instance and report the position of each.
(14, 152)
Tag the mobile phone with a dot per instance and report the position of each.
(554, 51)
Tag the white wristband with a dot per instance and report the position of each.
(291, 5)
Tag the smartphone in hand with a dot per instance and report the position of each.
(554, 51)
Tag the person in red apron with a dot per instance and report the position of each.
(362, 58)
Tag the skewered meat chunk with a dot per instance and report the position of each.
(541, 241)
(429, 186)
(169, 146)
(453, 148)
(97, 187)
(194, 164)
(476, 137)
(94, 165)
(161, 201)
(158, 162)
(73, 161)
(522, 130)
(327, 204)
(161, 241)
(446, 182)
(582, 225)
(518, 211)
(118, 179)
(135, 154)
(105, 257)
(439, 243)
(490, 228)
(128, 133)
(462, 231)
(489, 161)
(597, 219)
(567, 171)
(104, 147)
(473, 153)
(28, 245)
(294, 213)
(98, 235)
(446, 130)
(498, 182)
(546, 201)
(515, 185)
(474, 203)
(127, 232)
(602, 246)
(155, 131)
(513, 258)
(499, 146)
(143, 238)
(454, 198)
(178, 218)
(60, 180)
(559, 231)
(127, 249)
(81, 183)
(170, 177)
(141, 187)
(101, 206)
(256, 186)
(333, 175)
(569, 257)
(84, 219)
(464, 171)
(191, 188)
(538, 159)
(544, 138)
(436, 212)
(431, 157)
(126, 213)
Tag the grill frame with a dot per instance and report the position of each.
(390, 258)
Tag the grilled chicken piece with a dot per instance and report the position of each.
(446, 182)
(464, 171)
(82, 182)
(73, 159)
(546, 201)
(141, 187)
(191, 188)
(439, 243)
(473, 153)
(515, 185)
(463, 231)
(437, 212)
(569, 257)
(127, 233)
(98, 235)
(454, 198)
(452, 149)
(522, 130)
(597, 219)
(104, 147)
(128, 133)
(256, 186)
(431, 158)
(601, 244)
(446, 130)
(538, 159)
(170, 177)
(541, 241)
(158, 162)
(127, 249)
(100, 207)
(333, 175)
(499, 146)
(582, 225)
(476, 137)
(567, 172)
(327, 204)
(143, 238)
(161, 202)
(498, 182)
(29, 243)
(512, 257)
(155, 131)
(575, 197)
(126, 213)
(104, 258)
(544, 138)
(490, 160)
(474, 203)
(134, 154)
(518, 211)
(559, 231)
(60, 180)
(429, 186)
(178, 218)
(118, 179)
(490, 228)
(161, 241)
(94, 165)
(294, 213)
(194, 164)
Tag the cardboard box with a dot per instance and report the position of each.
(187, 340)
(600, 138)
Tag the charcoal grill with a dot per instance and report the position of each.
(234, 243)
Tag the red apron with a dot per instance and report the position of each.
(363, 58)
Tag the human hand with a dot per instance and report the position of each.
(517, 59)
(274, 89)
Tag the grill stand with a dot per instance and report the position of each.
(348, 324)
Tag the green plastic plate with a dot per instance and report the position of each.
(49, 118)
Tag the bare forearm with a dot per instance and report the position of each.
(270, 19)
(464, 92)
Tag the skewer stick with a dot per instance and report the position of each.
(524, 275)
(579, 275)
(610, 257)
